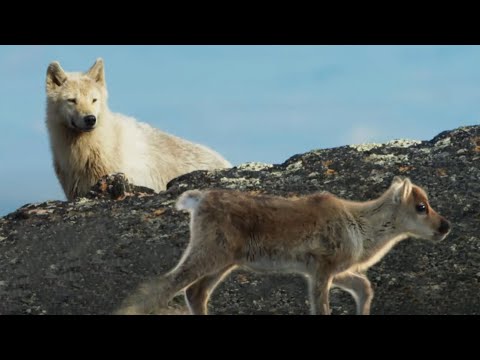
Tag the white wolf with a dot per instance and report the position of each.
(88, 141)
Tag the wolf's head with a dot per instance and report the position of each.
(76, 99)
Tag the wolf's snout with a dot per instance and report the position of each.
(444, 227)
(90, 120)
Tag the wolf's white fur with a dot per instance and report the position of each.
(116, 143)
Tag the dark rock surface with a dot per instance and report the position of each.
(86, 257)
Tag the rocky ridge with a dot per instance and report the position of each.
(87, 256)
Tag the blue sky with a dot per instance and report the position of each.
(250, 103)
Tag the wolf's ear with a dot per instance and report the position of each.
(401, 189)
(55, 75)
(96, 72)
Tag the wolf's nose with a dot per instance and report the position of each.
(444, 227)
(90, 120)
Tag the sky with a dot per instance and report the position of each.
(250, 103)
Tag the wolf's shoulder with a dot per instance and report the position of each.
(129, 122)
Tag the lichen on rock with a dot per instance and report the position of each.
(87, 256)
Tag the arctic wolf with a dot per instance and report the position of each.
(89, 141)
(330, 240)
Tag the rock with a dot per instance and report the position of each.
(116, 187)
(87, 256)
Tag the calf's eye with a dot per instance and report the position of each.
(421, 208)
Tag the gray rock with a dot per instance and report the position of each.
(87, 256)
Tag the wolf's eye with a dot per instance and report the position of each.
(73, 101)
(421, 208)
(94, 100)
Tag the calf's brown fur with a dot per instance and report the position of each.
(331, 241)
